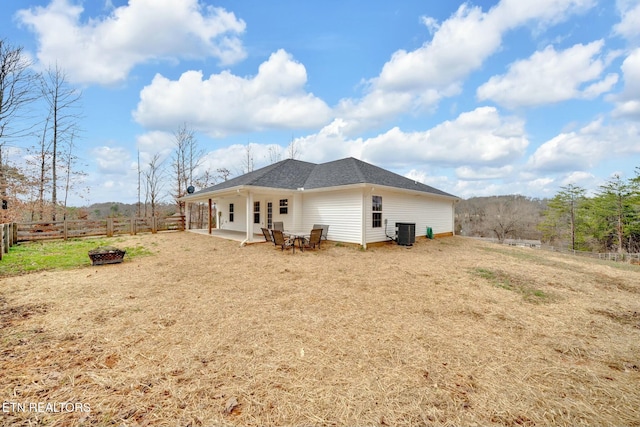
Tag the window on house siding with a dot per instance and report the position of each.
(256, 212)
(376, 211)
(230, 212)
(284, 206)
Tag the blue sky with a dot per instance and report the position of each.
(478, 98)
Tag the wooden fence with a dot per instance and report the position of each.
(9, 236)
(632, 258)
(70, 229)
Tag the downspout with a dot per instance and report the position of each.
(364, 218)
(187, 219)
(453, 216)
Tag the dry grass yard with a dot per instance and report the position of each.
(203, 332)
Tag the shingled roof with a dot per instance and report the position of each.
(292, 174)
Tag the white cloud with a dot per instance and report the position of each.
(234, 158)
(155, 142)
(483, 173)
(419, 79)
(224, 103)
(112, 160)
(585, 148)
(431, 23)
(105, 50)
(628, 102)
(478, 137)
(550, 76)
(629, 26)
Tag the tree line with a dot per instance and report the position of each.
(44, 109)
(40, 131)
(607, 221)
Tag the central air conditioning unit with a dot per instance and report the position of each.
(406, 233)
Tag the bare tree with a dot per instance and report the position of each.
(187, 157)
(153, 176)
(292, 149)
(223, 173)
(72, 175)
(63, 102)
(139, 175)
(39, 160)
(16, 93)
(247, 162)
(275, 154)
(506, 217)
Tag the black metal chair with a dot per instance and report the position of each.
(325, 229)
(314, 239)
(280, 240)
(267, 235)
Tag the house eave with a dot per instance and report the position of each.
(241, 190)
(378, 187)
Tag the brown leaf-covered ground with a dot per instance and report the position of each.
(450, 331)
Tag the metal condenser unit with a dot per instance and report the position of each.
(406, 233)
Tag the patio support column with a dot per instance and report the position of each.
(249, 225)
(210, 213)
(364, 218)
(187, 216)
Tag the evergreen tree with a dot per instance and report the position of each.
(561, 219)
(615, 216)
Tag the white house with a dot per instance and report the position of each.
(360, 202)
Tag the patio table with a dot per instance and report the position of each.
(297, 235)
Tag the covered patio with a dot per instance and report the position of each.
(238, 236)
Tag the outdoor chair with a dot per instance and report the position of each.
(314, 239)
(325, 229)
(283, 242)
(278, 225)
(267, 235)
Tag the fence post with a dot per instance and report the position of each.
(65, 230)
(15, 233)
(109, 227)
(5, 237)
(154, 225)
(133, 225)
(1, 240)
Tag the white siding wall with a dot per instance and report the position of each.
(290, 219)
(342, 210)
(424, 211)
(240, 209)
(239, 217)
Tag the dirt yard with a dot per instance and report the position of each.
(203, 332)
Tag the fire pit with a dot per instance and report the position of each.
(106, 255)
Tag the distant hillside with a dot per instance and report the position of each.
(513, 216)
(117, 209)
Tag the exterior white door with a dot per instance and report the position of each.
(269, 215)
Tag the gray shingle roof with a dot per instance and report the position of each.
(293, 174)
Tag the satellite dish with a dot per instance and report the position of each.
(190, 189)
